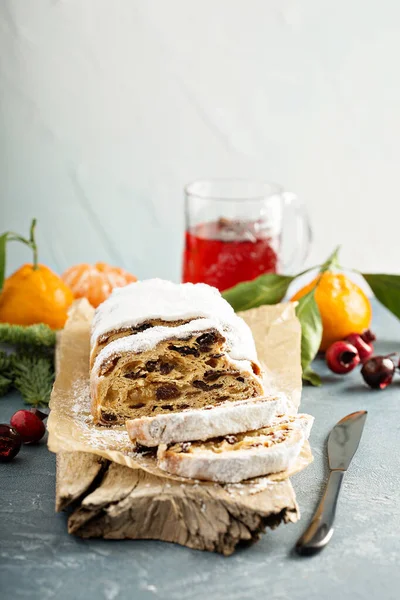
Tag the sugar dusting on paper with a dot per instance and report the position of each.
(96, 436)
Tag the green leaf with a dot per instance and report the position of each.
(332, 262)
(312, 377)
(266, 289)
(311, 333)
(386, 288)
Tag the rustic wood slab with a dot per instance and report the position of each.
(115, 502)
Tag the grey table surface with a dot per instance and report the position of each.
(38, 559)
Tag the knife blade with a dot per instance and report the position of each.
(344, 439)
(343, 442)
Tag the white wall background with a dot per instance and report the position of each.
(108, 107)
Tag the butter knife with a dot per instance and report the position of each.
(342, 445)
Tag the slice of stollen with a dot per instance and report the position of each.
(234, 458)
(208, 422)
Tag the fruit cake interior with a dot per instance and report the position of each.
(169, 369)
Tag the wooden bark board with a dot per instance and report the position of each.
(75, 474)
(111, 501)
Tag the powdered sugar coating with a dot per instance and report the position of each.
(150, 338)
(237, 465)
(245, 464)
(151, 299)
(202, 424)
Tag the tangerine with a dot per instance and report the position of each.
(35, 294)
(343, 305)
(96, 282)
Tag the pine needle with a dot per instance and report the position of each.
(32, 335)
(5, 385)
(30, 369)
(33, 378)
(5, 373)
(5, 362)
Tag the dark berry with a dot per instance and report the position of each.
(365, 349)
(206, 339)
(185, 350)
(166, 368)
(108, 417)
(368, 336)
(211, 376)
(29, 426)
(151, 366)
(378, 372)
(133, 375)
(10, 443)
(144, 449)
(168, 391)
(341, 357)
(201, 385)
(141, 328)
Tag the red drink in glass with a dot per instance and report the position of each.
(223, 253)
(239, 229)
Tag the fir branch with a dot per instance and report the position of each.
(33, 378)
(5, 384)
(32, 335)
(5, 373)
(5, 363)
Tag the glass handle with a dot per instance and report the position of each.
(303, 234)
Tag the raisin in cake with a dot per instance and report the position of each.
(234, 458)
(160, 348)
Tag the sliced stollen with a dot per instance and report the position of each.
(234, 458)
(208, 422)
(168, 369)
(142, 368)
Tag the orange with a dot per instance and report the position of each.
(35, 295)
(343, 306)
(95, 282)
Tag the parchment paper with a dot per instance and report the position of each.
(70, 425)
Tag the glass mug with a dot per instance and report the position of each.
(237, 230)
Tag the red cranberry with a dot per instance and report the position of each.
(341, 357)
(378, 372)
(365, 349)
(10, 443)
(29, 425)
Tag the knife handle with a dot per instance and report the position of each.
(320, 530)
